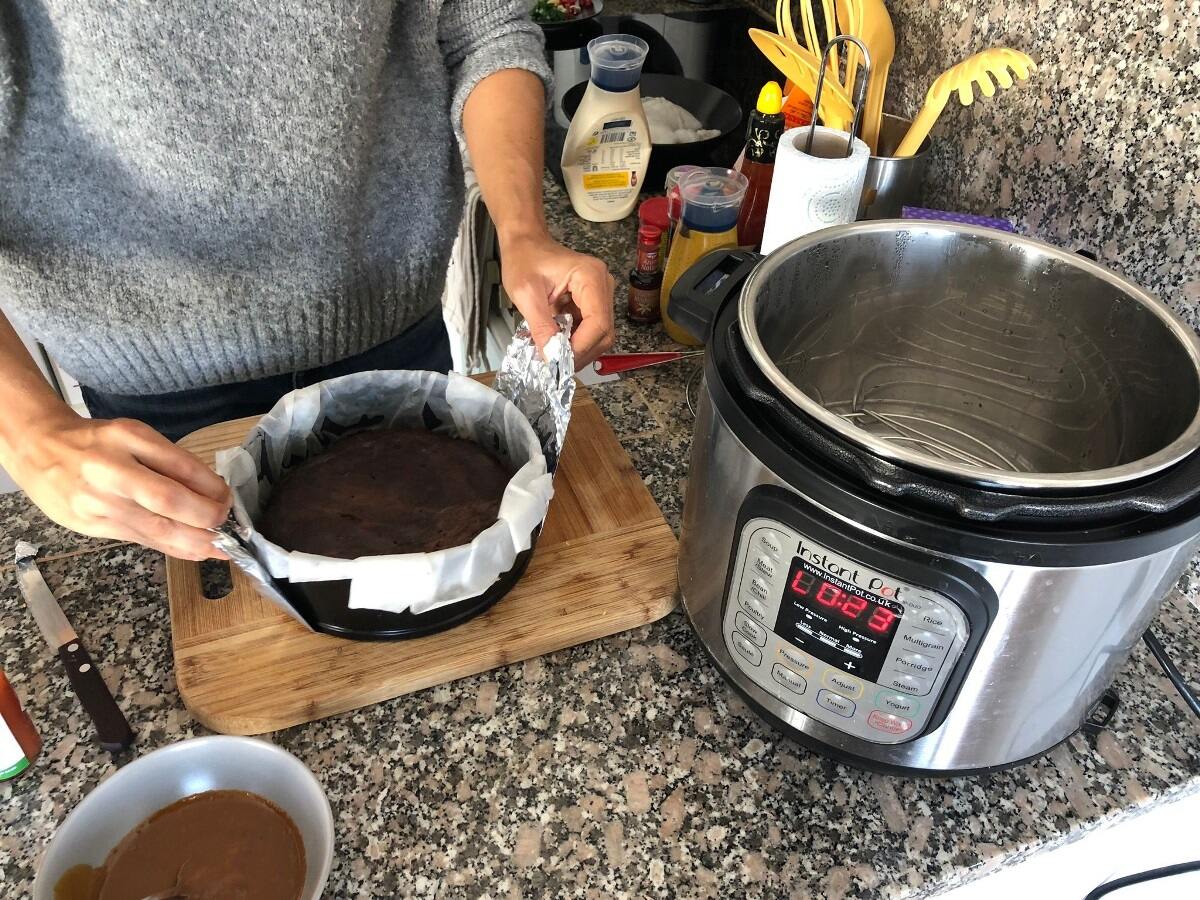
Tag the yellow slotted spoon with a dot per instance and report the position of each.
(801, 68)
(977, 70)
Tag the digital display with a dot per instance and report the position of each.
(837, 622)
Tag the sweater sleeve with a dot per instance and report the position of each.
(481, 37)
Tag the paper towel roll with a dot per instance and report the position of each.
(810, 192)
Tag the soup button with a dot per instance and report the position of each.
(882, 721)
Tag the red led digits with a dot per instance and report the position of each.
(830, 595)
(853, 606)
(881, 620)
(802, 582)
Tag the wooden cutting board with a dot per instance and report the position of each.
(605, 563)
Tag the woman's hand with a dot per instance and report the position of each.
(120, 479)
(544, 278)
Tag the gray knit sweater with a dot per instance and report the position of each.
(196, 192)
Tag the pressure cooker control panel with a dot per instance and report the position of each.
(845, 644)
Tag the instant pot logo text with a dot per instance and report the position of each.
(872, 582)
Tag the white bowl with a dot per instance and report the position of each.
(160, 778)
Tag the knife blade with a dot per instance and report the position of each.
(112, 729)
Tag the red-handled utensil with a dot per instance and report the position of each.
(612, 363)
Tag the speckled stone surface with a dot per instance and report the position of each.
(621, 768)
(1099, 150)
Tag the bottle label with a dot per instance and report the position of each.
(644, 304)
(12, 757)
(647, 258)
(610, 160)
(762, 139)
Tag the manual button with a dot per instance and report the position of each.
(789, 679)
(835, 703)
(750, 629)
(742, 644)
(926, 642)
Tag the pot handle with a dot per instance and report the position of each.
(703, 289)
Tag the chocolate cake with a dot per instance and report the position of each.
(383, 492)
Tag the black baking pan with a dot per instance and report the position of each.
(325, 606)
(712, 106)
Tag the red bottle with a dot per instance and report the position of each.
(758, 163)
(19, 740)
(645, 280)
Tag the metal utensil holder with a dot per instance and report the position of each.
(860, 90)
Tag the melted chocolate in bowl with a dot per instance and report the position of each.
(218, 845)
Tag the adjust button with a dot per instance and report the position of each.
(789, 679)
(935, 618)
(750, 629)
(764, 565)
(842, 683)
(897, 704)
(882, 721)
(915, 663)
(799, 661)
(835, 703)
(742, 644)
(927, 642)
(909, 684)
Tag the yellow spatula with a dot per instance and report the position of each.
(875, 30)
(979, 70)
(801, 68)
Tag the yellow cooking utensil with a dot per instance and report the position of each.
(977, 70)
(802, 69)
(812, 37)
(849, 21)
(877, 33)
(784, 23)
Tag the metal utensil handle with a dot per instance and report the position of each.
(860, 91)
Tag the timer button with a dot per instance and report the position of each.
(835, 703)
(756, 609)
(789, 679)
(764, 565)
(909, 684)
(842, 683)
(743, 646)
(897, 704)
(750, 629)
(797, 660)
(935, 618)
(882, 721)
(769, 541)
(916, 663)
(927, 642)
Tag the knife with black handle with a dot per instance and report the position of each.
(112, 730)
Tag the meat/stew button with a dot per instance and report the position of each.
(882, 721)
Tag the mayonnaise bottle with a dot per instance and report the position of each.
(607, 148)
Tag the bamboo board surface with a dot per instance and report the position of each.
(605, 563)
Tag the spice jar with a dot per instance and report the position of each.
(19, 740)
(645, 279)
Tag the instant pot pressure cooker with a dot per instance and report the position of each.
(941, 480)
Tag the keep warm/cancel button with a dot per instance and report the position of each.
(882, 721)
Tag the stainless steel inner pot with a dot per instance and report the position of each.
(976, 354)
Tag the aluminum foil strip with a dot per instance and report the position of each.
(542, 385)
(233, 540)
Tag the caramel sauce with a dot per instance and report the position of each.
(217, 845)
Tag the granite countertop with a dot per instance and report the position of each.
(624, 767)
